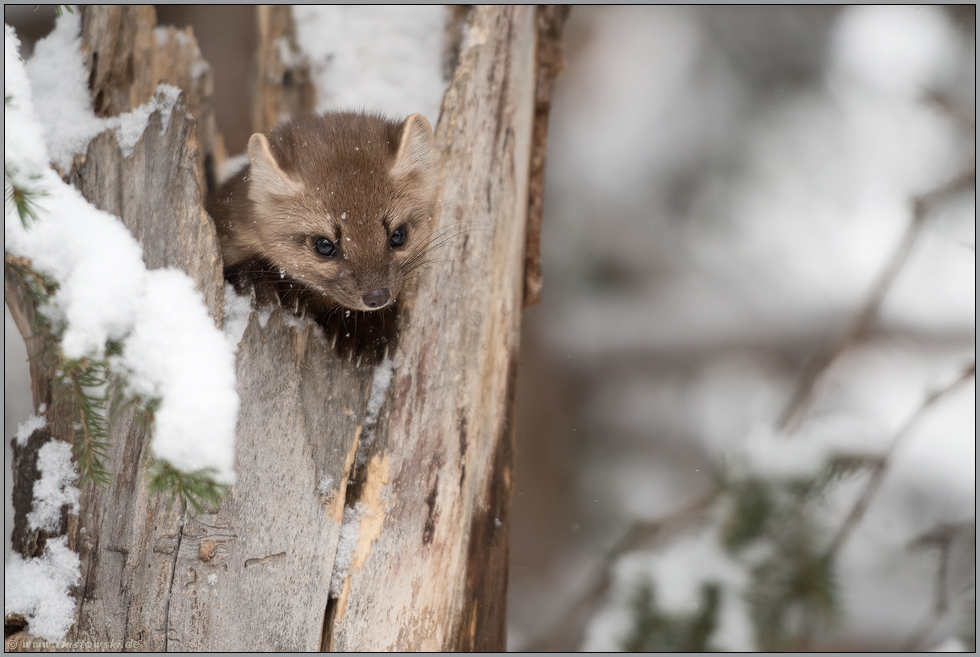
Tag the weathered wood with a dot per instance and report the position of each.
(425, 484)
(117, 46)
(255, 575)
(430, 569)
(157, 194)
(550, 20)
(127, 540)
(128, 56)
(282, 86)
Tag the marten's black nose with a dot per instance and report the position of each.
(377, 298)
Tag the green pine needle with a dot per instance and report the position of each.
(657, 631)
(57, 9)
(82, 381)
(753, 508)
(198, 489)
(20, 196)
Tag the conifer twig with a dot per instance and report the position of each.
(880, 468)
(569, 627)
(922, 207)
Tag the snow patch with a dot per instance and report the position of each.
(176, 355)
(678, 573)
(39, 589)
(231, 166)
(380, 383)
(325, 486)
(379, 59)
(379, 390)
(350, 535)
(264, 314)
(237, 309)
(171, 348)
(64, 107)
(29, 426)
(898, 49)
(55, 488)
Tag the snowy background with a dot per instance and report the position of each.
(724, 187)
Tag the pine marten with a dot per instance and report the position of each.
(330, 216)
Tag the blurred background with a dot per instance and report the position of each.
(746, 415)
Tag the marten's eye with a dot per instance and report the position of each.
(399, 236)
(324, 247)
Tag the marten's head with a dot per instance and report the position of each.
(343, 203)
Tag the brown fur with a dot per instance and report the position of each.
(351, 178)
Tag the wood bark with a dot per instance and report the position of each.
(434, 576)
(128, 55)
(421, 485)
(550, 21)
(281, 85)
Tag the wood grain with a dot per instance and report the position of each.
(281, 82)
(425, 480)
(550, 62)
(435, 576)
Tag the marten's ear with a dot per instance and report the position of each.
(416, 151)
(268, 178)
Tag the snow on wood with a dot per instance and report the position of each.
(56, 488)
(430, 498)
(29, 426)
(380, 59)
(39, 589)
(157, 191)
(105, 291)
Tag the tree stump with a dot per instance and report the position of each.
(392, 483)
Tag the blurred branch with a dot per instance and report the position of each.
(940, 537)
(881, 467)
(550, 62)
(567, 632)
(955, 109)
(922, 207)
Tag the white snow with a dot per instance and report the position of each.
(231, 166)
(39, 589)
(379, 390)
(175, 354)
(171, 348)
(55, 488)
(130, 126)
(237, 308)
(678, 573)
(325, 486)
(63, 103)
(380, 382)
(382, 59)
(29, 426)
(350, 535)
(895, 49)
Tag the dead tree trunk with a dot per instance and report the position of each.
(420, 484)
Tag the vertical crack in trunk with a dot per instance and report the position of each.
(170, 587)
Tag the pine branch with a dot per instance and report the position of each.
(922, 207)
(18, 194)
(81, 377)
(881, 468)
(197, 489)
(57, 9)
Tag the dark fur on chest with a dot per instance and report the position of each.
(363, 337)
